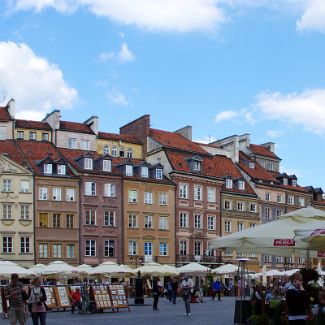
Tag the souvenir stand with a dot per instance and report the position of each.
(118, 296)
(62, 296)
(100, 295)
(50, 297)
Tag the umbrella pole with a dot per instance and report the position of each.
(308, 259)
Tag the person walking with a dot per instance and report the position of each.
(17, 296)
(217, 289)
(174, 290)
(296, 299)
(156, 288)
(186, 286)
(75, 300)
(36, 302)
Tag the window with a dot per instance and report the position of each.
(148, 198)
(90, 188)
(69, 194)
(20, 135)
(211, 195)
(197, 248)
(183, 220)
(61, 169)
(56, 220)
(70, 250)
(159, 173)
(109, 218)
(133, 196)
(301, 201)
(148, 248)
(197, 221)
(267, 258)
(6, 185)
(253, 207)
(114, 151)
(24, 245)
(145, 172)
(132, 247)
(57, 250)
(110, 190)
(163, 223)
(43, 250)
(43, 193)
(211, 222)
(3, 132)
(227, 205)
(196, 166)
(6, 211)
(128, 170)
(227, 226)
(7, 244)
(133, 221)
(69, 220)
(32, 135)
(251, 165)
(56, 194)
(252, 225)
(148, 222)
(267, 196)
(88, 163)
(262, 163)
(106, 150)
(278, 212)
(294, 182)
(291, 200)
(130, 153)
(183, 191)
(279, 198)
(24, 212)
(240, 226)
(285, 181)
(267, 213)
(47, 168)
(43, 220)
(270, 166)
(301, 260)
(163, 198)
(84, 144)
(121, 153)
(183, 247)
(241, 185)
(198, 192)
(109, 248)
(45, 136)
(90, 247)
(91, 217)
(228, 183)
(107, 165)
(72, 143)
(240, 206)
(279, 259)
(24, 186)
(163, 249)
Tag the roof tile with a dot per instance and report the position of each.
(75, 127)
(38, 125)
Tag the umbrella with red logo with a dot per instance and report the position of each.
(314, 238)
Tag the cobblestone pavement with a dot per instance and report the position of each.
(210, 312)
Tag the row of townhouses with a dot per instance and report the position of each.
(71, 192)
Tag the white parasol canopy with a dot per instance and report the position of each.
(225, 269)
(275, 237)
(84, 269)
(314, 238)
(59, 268)
(111, 268)
(193, 268)
(36, 269)
(154, 268)
(7, 268)
(289, 272)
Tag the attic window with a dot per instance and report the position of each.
(88, 163)
(130, 153)
(47, 168)
(285, 181)
(114, 151)
(196, 166)
(61, 170)
(228, 183)
(294, 183)
(241, 185)
(159, 173)
(144, 172)
(106, 150)
(107, 165)
(128, 170)
(251, 165)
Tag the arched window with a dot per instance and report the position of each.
(114, 151)
(130, 153)
(106, 150)
(121, 152)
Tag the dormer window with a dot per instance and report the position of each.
(159, 173)
(88, 163)
(285, 181)
(228, 183)
(106, 150)
(114, 151)
(294, 182)
(241, 185)
(251, 165)
(130, 153)
(144, 171)
(47, 168)
(61, 169)
(107, 165)
(196, 165)
(128, 170)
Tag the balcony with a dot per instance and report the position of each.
(198, 259)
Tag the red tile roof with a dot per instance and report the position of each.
(122, 137)
(38, 125)
(175, 140)
(9, 148)
(4, 115)
(75, 127)
(262, 151)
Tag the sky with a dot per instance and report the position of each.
(223, 66)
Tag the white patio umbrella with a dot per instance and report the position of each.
(36, 269)
(225, 269)
(193, 268)
(111, 268)
(289, 272)
(275, 237)
(84, 269)
(59, 268)
(7, 268)
(314, 238)
(153, 268)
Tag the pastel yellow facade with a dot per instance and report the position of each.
(33, 134)
(126, 147)
(16, 213)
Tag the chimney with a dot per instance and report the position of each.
(11, 107)
(270, 146)
(186, 132)
(53, 119)
(92, 122)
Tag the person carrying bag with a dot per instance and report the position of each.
(37, 302)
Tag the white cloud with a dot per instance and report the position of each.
(306, 109)
(117, 98)
(226, 115)
(314, 17)
(40, 5)
(37, 85)
(124, 55)
(274, 133)
(206, 139)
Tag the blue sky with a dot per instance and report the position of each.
(223, 66)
